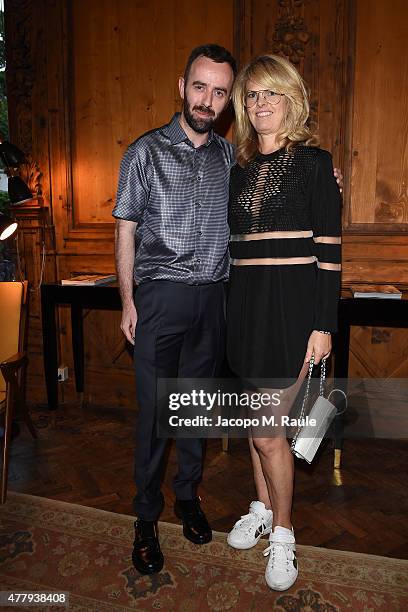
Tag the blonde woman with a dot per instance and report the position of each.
(285, 224)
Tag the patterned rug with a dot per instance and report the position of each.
(47, 545)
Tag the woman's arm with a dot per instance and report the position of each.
(325, 204)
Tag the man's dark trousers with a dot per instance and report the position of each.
(180, 332)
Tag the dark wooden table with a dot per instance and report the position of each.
(352, 311)
(365, 311)
(359, 311)
(78, 297)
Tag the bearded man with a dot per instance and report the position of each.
(171, 241)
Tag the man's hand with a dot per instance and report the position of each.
(125, 259)
(129, 321)
(339, 178)
(319, 344)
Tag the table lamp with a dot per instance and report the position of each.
(7, 226)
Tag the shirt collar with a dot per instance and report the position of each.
(176, 133)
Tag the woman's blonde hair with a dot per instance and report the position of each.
(277, 74)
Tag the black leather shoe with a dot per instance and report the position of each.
(195, 525)
(147, 556)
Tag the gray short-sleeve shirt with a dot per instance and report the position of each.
(178, 195)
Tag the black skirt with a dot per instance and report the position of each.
(270, 316)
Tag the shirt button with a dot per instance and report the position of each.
(200, 233)
(198, 204)
(198, 260)
(199, 177)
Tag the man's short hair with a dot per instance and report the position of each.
(216, 53)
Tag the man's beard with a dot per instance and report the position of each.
(199, 124)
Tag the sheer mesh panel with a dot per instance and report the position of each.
(269, 194)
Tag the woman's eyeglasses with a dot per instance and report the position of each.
(271, 97)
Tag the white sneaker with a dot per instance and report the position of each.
(249, 529)
(282, 569)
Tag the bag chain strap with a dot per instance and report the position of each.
(306, 396)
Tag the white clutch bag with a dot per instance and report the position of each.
(309, 435)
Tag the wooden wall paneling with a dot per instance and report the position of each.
(376, 251)
(101, 75)
(58, 90)
(374, 259)
(57, 118)
(332, 66)
(380, 119)
(255, 24)
(242, 42)
(312, 36)
(210, 22)
(121, 68)
(375, 202)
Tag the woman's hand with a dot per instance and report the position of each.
(339, 178)
(319, 344)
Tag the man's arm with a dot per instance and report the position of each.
(125, 261)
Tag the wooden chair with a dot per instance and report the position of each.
(13, 361)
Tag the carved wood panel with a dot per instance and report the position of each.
(312, 35)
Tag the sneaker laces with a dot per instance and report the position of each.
(250, 521)
(282, 553)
